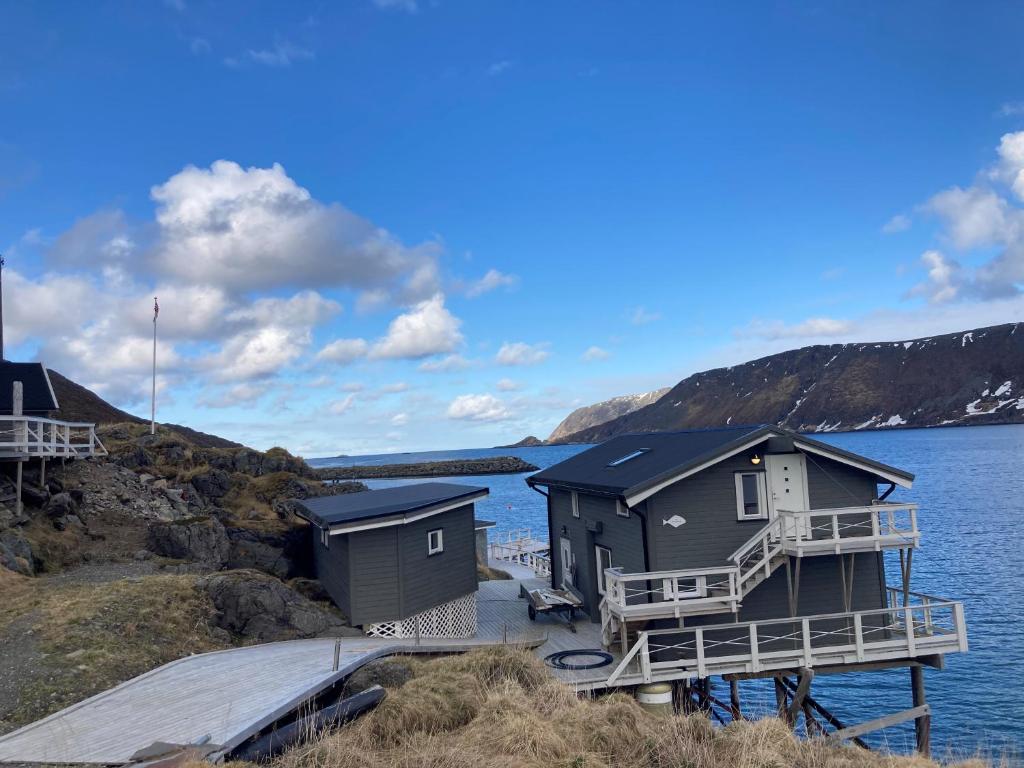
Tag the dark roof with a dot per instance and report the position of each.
(478, 523)
(328, 511)
(38, 394)
(658, 456)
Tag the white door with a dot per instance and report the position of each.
(787, 488)
(567, 563)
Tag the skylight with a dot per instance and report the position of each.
(628, 457)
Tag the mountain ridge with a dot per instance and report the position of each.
(604, 411)
(967, 377)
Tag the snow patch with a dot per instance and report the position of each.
(830, 361)
(1005, 387)
(908, 344)
(969, 336)
(894, 421)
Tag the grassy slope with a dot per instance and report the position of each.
(93, 636)
(499, 708)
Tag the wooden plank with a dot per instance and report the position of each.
(879, 723)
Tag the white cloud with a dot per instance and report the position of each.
(478, 408)
(640, 316)
(521, 353)
(595, 353)
(343, 351)
(945, 278)
(250, 229)
(240, 394)
(282, 54)
(898, 223)
(427, 329)
(409, 6)
(508, 385)
(490, 281)
(399, 386)
(499, 67)
(400, 419)
(257, 353)
(815, 327)
(352, 386)
(975, 217)
(446, 364)
(1011, 161)
(338, 407)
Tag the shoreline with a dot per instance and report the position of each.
(498, 465)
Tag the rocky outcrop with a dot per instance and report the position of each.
(599, 413)
(493, 466)
(259, 607)
(282, 553)
(964, 378)
(527, 442)
(16, 552)
(200, 540)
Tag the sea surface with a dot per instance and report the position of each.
(970, 487)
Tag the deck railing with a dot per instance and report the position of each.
(670, 593)
(536, 562)
(849, 529)
(932, 626)
(33, 436)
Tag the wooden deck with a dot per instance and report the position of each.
(225, 697)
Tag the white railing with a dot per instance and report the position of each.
(670, 593)
(32, 436)
(758, 554)
(536, 562)
(932, 626)
(850, 529)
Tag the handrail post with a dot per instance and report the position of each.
(858, 635)
(699, 645)
(645, 657)
(835, 527)
(908, 619)
(755, 659)
(806, 632)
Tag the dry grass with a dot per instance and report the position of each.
(486, 573)
(499, 708)
(97, 635)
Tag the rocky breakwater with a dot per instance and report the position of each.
(498, 465)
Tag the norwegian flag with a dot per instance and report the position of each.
(156, 309)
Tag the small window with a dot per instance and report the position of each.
(604, 562)
(621, 509)
(628, 457)
(575, 504)
(750, 496)
(435, 541)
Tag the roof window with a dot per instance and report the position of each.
(628, 457)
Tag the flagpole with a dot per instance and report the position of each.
(152, 422)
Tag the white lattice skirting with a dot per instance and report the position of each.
(453, 619)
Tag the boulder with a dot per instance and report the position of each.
(16, 552)
(61, 505)
(260, 607)
(134, 457)
(281, 553)
(212, 485)
(34, 496)
(199, 539)
(387, 673)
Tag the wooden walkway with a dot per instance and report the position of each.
(225, 697)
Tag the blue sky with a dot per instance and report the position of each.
(416, 224)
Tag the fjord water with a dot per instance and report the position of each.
(970, 487)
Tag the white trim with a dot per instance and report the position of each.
(762, 496)
(632, 501)
(601, 586)
(900, 481)
(46, 375)
(405, 519)
(437, 549)
(575, 501)
(621, 509)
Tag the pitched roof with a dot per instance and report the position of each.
(417, 499)
(38, 395)
(631, 465)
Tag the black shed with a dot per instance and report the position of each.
(37, 392)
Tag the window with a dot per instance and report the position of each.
(575, 504)
(684, 587)
(621, 509)
(435, 541)
(628, 457)
(750, 496)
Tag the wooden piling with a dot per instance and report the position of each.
(922, 724)
(734, 699)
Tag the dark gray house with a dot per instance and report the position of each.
(400, 562)
(38, 398)
(675, 529)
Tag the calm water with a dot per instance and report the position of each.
(970, 486)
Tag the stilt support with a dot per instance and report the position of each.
(923, 723)
(734, 700)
